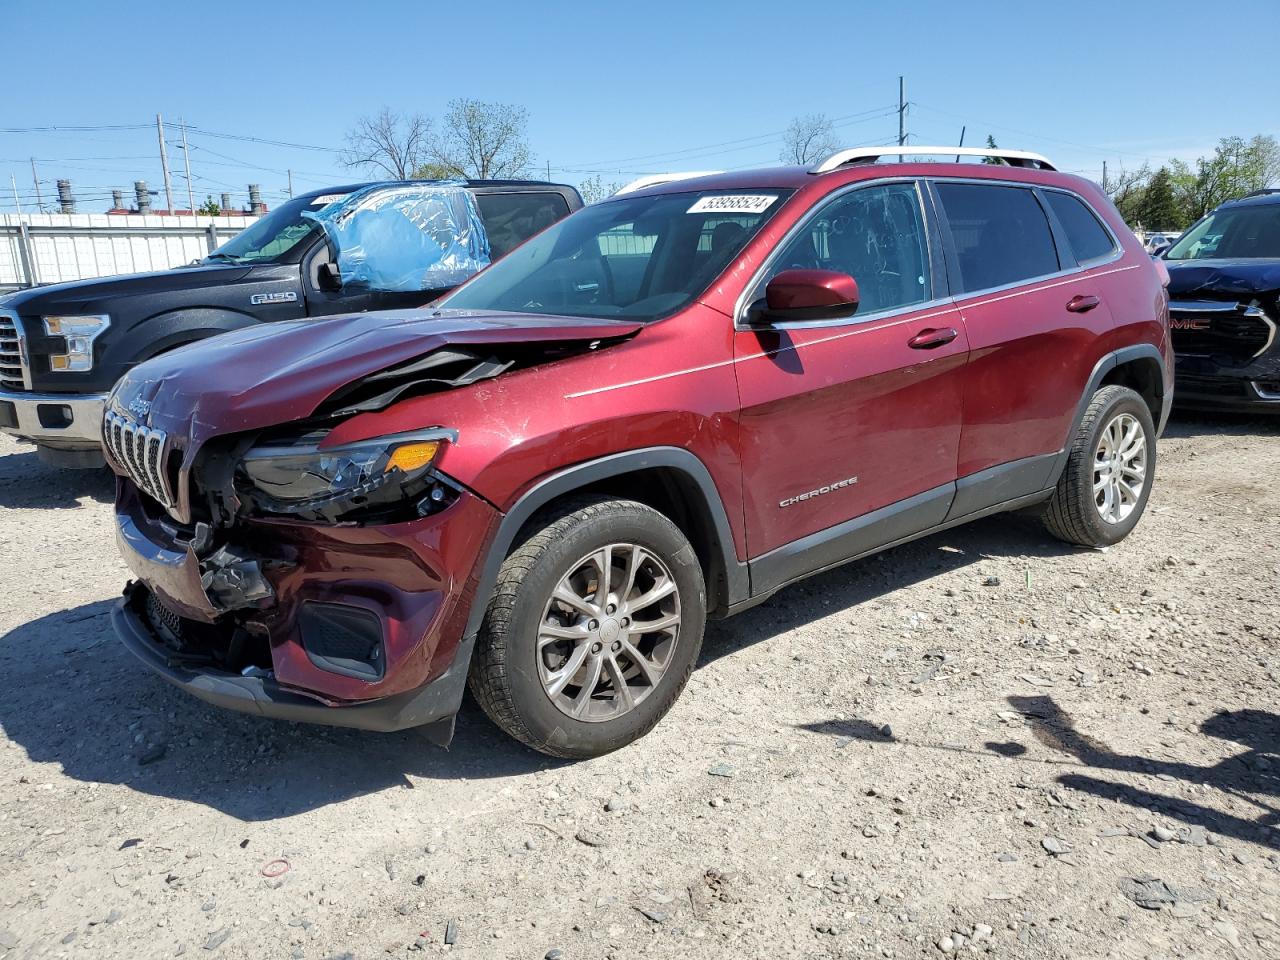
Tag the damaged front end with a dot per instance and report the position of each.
(299, 576)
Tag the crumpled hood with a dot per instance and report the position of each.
(87, 295)
(279, 372)
(1223, 279)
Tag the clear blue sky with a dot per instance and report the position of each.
(621, 89)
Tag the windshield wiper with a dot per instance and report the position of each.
(222, 256)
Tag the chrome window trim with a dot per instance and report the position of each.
(744, 301)
(1117, 254)
(1117, 248)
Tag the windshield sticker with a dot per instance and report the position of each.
(733, 203)
(327, 199)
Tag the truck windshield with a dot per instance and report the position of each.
(1244, 233)
(275, 235)
(641, 258)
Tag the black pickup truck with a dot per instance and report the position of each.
(346, 249)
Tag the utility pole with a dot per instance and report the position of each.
(36, 181)
(290, 172)
(902, 112)
(164, 164)
(962, 130)
(1104, 176)
(186, 159)
(548, 170)
(16, 202)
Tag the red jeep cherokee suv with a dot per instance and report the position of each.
(665, 407)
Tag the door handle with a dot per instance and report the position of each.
(1082, 303)
(931, 338)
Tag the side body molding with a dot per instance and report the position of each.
(737, 584)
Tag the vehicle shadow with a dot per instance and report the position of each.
(1186, 424)
(1252, 774)
(26, 483)
(75, 697)
(856, 583)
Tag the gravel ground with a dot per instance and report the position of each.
(980, 742)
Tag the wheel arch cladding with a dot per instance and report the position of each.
(1142, 374)
(669, 479)
(1123, 363)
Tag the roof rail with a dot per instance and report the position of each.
(1014, 158)
(656, 178)
(1265, 192)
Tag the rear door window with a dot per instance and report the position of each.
(512, 218)
(1088, 238)
(1000, 233)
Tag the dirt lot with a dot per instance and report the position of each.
(981, 742)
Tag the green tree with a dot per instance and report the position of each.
(594, 189)
(1157, 208)
(483, 140)
(1237, 167)
(992, 145)
(434, 171)
(210, 207)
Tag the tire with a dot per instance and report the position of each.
(1074, 513)
(518, 665)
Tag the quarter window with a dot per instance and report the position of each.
(1088, 239)
(874, 234)
(1001, 234)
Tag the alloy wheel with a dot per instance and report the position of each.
(1120, 468)
(608, 632)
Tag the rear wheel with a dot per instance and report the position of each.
(1106, 483)
(592, 631)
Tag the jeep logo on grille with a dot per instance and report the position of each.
(139, 407)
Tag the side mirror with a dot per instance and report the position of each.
(805, 295)
(329, 276)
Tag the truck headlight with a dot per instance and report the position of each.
(302, 479)
(79, 333)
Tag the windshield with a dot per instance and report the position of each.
(279, 232)
(1244, 233)
(641, 258)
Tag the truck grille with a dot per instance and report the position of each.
(13, 371)
(1233, 330)
(141, 451)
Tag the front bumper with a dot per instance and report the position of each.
(435, 701)
(1203, 384)
(410, 584)
(69, 421)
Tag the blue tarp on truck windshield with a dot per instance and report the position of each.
(426, 236)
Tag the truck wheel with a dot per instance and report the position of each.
(1107, 480)
(592, 631)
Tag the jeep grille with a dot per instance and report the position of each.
(141, 451)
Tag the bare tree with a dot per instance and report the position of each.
(483, 140)
(594, 189)
(389, 144)
(809, 138)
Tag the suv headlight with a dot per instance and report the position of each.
(302, 479)
(79, 332)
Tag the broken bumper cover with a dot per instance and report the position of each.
(435, 701)
(348, 625)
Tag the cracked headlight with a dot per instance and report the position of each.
(300, 478)
(79, 333)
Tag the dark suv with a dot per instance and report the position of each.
(669, 405)
(1224, 283)
(368, 246)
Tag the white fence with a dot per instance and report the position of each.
(40, 248)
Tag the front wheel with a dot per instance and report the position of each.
(1106, 483)
(593, 629)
